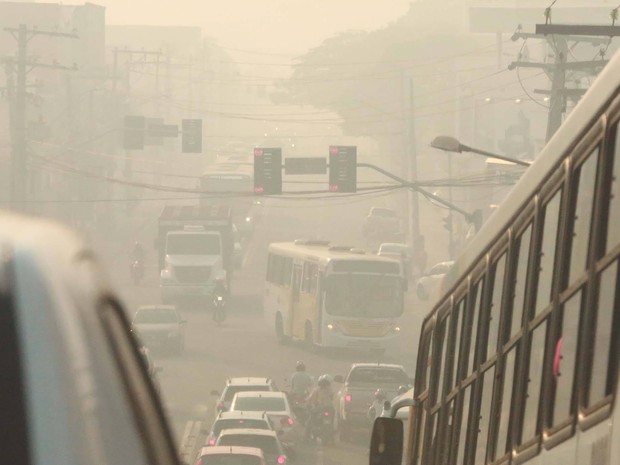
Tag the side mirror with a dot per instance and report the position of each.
(338, 379)
(215, 393)
(386, 442)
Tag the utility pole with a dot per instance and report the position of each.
(558, 36)
(413, 169)
(19, 142)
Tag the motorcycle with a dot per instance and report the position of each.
(299, 406)
(219, 309)
(321, 425)
(137, 271)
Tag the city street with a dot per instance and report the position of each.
(244, 345)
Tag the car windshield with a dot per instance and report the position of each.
(156, 316)
(378, 375)
(364, 296)
(230, 459)
(260, 404)
(236, 423)
(193, 244)
(232, 390)
(266, 443)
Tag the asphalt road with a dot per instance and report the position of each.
(244, 345)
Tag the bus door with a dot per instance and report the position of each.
(296, 322)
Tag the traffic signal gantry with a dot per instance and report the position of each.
(268, 169)
(139, 131)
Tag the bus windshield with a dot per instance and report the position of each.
(193, 244)
(364, 296)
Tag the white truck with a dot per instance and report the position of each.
(195, 249)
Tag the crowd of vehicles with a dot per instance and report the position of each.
(518, 361)
(333, 296)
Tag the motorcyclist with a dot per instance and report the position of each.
(220, 289)
(301, 381)
(320, 399)
(376, 407)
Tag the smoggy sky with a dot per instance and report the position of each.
(275, 26)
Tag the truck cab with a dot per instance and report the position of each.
(193, 262)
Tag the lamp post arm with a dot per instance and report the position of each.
(414, 186)
(516, 161)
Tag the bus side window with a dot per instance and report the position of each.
(605, 336)
(495, 305)
(565, 358)
(475, 307)
(533, 380)
(520, 280)
(547, 251)
(613, 217)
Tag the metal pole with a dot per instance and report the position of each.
(557, 105)
(413, 167)
(450, 217)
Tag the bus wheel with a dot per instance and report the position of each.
(282, 339)
(309, 337)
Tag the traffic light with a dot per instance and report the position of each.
(268, 171)
(342, 168)
(133, 132)
(192, 135)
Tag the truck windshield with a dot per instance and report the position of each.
(193, 244)
(364, 296)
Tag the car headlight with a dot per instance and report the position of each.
(248, 219)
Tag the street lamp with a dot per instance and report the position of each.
(451, 144)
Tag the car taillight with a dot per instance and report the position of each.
(326, 413)
(281, 460)
(220, 406)
(287, 421)
(347, 398)
(211, 441)
(199, 461)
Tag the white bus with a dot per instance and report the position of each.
(333, 296)
(518, 362)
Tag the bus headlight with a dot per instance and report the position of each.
(330, 327)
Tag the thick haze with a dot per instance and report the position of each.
(266, 25)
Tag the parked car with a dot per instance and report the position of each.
(265, 440)
(357, 393)
(429, 285)
(235, 385)
(236, 420)
(231, 455)
(277, 407)
(160, 326)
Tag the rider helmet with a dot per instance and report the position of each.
(402, 389)
(380, 394)
(300, 366)
(323, 381)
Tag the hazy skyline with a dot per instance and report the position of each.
(270, 26)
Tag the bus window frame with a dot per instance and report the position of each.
(591, 414)
(563, 291)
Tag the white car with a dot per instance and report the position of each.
(265, 440)
(160, 326)
(277, 407)
(231, 455)
(236, 420)
(429, 285)
(235, 385)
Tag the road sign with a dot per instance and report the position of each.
(163, 130)
(133, 132)
(268, 171)
(305, 165)
(342, 168)
(151, 138)
(192, 135)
